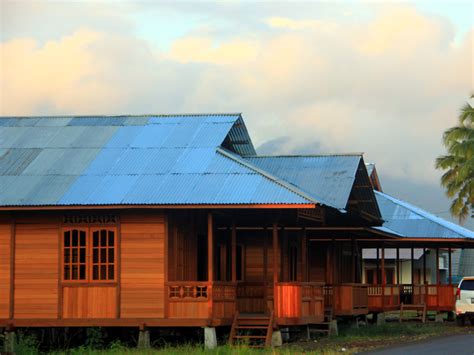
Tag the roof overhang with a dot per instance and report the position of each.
(115, 207)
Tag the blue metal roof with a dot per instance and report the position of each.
(327, 178)
(406, 220)
(121, 160)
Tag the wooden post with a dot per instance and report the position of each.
(438, 281)
(412, 257)
(210, 248)
(450, 270)
(234, 251)
(354, 260)
(437, 278)
(383, 276)
(377, 269)
(398, 266)
(424, 266)
(304, 256)
(275, 268)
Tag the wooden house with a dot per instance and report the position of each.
(175, 221)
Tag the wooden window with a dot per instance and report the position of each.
(89, 254)
(103, 255)
(75, 255)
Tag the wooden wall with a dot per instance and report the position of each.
(142, 266)
(5, 259)
(36, 270)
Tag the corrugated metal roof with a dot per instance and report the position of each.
(408, 220)
(153, 159)
(327, 178)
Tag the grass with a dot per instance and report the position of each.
(350, 340)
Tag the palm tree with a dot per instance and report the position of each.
(459, 163)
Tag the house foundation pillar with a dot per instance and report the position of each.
(144, 339)
(333, 329)
(277, 340)
(439, 318)
(210, 338)
(9, 342)
(380, 319)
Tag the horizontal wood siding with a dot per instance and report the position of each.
(142, 266)
(36, 271)
(89, 302)
(5, 259)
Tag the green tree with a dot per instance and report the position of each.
(459, 163)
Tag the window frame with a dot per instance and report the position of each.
(89, 280)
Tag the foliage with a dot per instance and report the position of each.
(459, 163)
(26, 344)
(95, 338)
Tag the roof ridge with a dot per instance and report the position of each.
(264, 173)
(133, 115)
(305, 155)
(423, 213)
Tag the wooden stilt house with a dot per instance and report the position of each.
(169, 221)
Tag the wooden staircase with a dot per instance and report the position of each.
(324, 327)
(419, 311)
(252, 330)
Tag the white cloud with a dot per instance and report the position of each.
(388, 87)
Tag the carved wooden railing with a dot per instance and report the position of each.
(383, 297)
(436, 297)
(198, 300)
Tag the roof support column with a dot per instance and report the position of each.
(412, 257)
(377, 268)
(450, 267)
(398, 266)
(383, 276)
(210, 261)
(304, 255)
(438, 280)
(424, 266)
(234, 251)
(275, 267)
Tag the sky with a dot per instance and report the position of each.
(383, 78)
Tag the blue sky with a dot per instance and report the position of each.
(384, 78)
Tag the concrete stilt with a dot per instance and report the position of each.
(144, 339)
(9, 342)
(381, 319)
(277, 339)
(439, 318)
(333, 329)
(210, 338)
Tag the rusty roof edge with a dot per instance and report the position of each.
(264, 173)
(359, 154)
(133, 115)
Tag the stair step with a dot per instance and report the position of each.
(250, 327)
(319, 330)
(250, 336)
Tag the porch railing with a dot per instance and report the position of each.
(436, 297)
(192, 299)
(300, 300)
(347, 299)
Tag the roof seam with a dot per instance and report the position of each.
(269, 176)
(305, 155)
